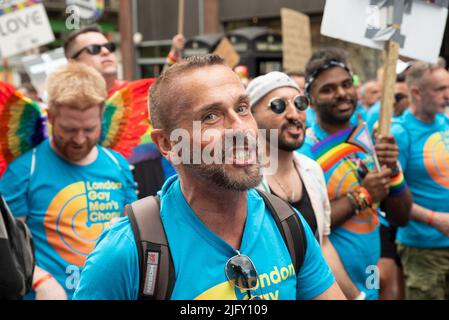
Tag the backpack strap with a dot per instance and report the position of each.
(157, 277)
(290, 226)
(156, 268)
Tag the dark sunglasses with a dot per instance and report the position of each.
(95, 49)
(399, 96)
(278, 105)
(241, 272)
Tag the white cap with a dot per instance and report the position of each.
(262, 85)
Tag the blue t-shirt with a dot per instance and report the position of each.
(424, 157)
(357, 241)
(67, 206)
(372, 116)
(199, 257)
(359, 112)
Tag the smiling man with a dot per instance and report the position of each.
(356, 188)
(68, 188)
(218, 227)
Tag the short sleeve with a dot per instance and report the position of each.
(14, 185)
(315, 276)
(403, 141)
(111, 271)
(130, 185)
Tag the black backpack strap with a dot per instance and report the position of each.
(290, 226)
(156, 268)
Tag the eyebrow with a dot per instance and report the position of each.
(218, 105)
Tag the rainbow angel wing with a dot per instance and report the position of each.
(125, 118)
(22, 124)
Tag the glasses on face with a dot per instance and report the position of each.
(399, 96)
(278, 105)
(241, 272)
(94, 49)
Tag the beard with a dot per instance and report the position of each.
(217, 174)
(325, 110)
(292, 145)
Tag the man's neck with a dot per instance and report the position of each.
(222, 211)
(285, 162)
(425, 117)
(110, 79)
(333, 127)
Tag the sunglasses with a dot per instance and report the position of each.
(278, 105)
(95, 49)
(241, 272)
(399, 96)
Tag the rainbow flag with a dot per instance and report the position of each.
(334, 148)
(22, 124)
(125, 118)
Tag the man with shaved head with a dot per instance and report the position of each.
(217, 226)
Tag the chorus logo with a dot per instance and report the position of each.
(342, 180)
(78, 215)
(436, 157)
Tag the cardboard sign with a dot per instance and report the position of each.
(296, 39)
(226, 50)
(8, 6)
(23, 30)
(422, 27)
(39, 66)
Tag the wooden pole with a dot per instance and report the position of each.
(180, 16)
(126, 36)
(389, 79)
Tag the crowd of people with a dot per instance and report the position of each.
(322, 206)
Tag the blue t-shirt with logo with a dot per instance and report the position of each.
(424, 157)
(199, 257)
(67, 206)
(357, 241)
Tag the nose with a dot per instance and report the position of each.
(104, 51)
(292, 113)
(340, 92)
(79, 138)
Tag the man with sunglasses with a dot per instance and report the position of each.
(90, 46)
(357, 189)
(277, 103)
(218, 228)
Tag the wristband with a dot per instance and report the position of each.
(430, 216)
(171, 58)
(366, 196)
(397, 184)
(41, 280)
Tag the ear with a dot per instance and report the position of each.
(162, 142)
(415, 93)
(50, 116)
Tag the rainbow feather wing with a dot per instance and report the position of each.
(22, 124)
(125, 118)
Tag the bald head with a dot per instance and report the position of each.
(165, 102)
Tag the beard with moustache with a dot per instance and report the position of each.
(285, 145)
(218, 175)
(325, 110)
